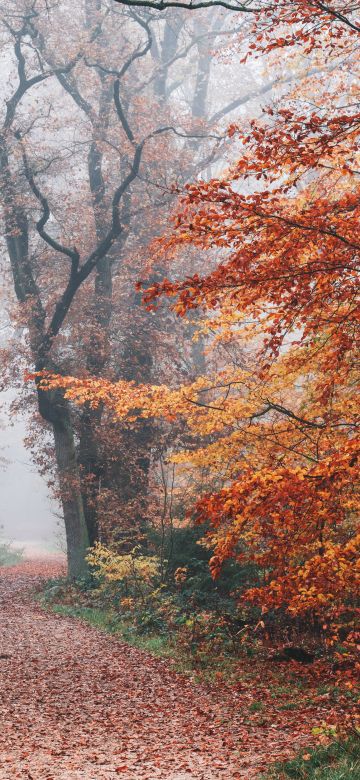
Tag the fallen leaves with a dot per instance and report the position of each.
(77, 704)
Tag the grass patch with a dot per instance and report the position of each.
(9, 556)
(108, 621)
(290, 705)
(256, 706)
(96, 617)
(337, 761)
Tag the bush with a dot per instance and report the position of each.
(185, 605)
(129, 575)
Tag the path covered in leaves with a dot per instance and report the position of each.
(77, 704)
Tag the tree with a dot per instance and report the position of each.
(279, 421)
(72, 217)
(45, 319)
(292, 270)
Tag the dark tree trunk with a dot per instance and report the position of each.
(91, 467)
(55, 410)
(90, 458)
(77, 539)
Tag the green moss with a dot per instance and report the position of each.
(290, 705)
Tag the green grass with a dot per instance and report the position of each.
(9, 556)
(96, 617)
(256, 706)
(290, 705)
(109, 622)
(337, 761)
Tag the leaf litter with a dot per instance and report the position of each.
(78, 704)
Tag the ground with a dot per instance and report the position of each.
(78, 704)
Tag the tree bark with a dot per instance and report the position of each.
(75, 527)
(55, 410)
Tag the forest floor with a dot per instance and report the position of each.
(78, 704)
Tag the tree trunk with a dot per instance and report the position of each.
(91, 467)
(54, 408)
(75, 527)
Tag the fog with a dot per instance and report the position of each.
(29, 516)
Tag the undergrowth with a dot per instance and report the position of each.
(205, 632)
(206, 658)
(158, 645)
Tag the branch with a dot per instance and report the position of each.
(266, 88)
(40, 225)
(172, 129)
(81, 274)
(339, 16)
(166, 129)
(120, 112)
(204, 406)
(311, 228)
(24, 83)
(78, 276)
(68, 83)
(162, 5)
(74, 93)
(135, 56)
(288, 413)
(232, 5)
(165, 66)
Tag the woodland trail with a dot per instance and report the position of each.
(77, 704)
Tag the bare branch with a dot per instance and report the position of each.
(162, 5)
(40, 225)
(139, 52)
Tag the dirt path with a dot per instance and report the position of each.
(78, 704)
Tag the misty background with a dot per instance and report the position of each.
(29, 516)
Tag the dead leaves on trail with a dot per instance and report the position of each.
(77, 704)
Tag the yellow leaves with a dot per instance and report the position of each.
(108, 567)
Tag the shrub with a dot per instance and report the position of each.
(130, 575)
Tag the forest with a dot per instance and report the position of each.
(180, 241)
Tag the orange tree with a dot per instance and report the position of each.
(288, 287)
(277, 424)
